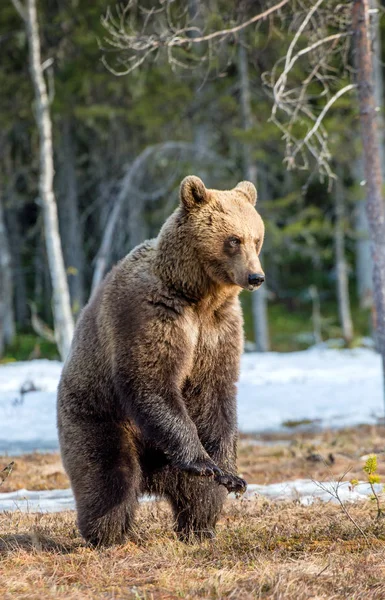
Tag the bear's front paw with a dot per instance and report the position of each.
(232, 483)
(203, 468)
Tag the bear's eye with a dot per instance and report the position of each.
(234, 242)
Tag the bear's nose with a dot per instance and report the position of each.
(256, 278)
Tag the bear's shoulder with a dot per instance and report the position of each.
(135, 289)
(134, 267)
(144, 252)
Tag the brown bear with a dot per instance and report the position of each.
(147, 397)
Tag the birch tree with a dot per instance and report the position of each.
(61, 299)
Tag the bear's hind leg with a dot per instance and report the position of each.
(197, 504)
(101, 462)
(107, 520)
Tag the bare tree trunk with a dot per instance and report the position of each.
(375, 17)
(69, 221)
(374, 204)
(64, 325)
(364, 275)
(259, 299)
(340, 262)
(7, 321)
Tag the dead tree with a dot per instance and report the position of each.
(63, 320)
(375, 209)
(292, 104)
(316, 49)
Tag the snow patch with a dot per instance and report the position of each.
(333, 388)
(307, 491)
(304, 491)
(28, 421)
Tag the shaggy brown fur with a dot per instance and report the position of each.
(147, 399)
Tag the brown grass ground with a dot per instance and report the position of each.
(263, 549)
(264, 459)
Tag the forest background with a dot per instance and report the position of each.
(129, 140)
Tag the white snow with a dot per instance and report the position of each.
(28, 422)
(332, 387)
(304, 491)
(44, 501)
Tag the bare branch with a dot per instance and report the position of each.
(131, 68)
(288, 67)
(5, 473)
(299, 32)
(39, 326)
(297, 112)
(325, 109)
(20, 9)
(334, 492)
(164, 34)
(231, 30)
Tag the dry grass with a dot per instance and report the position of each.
(263, 549)
(34, 472)
(274, 458)
(263, 459)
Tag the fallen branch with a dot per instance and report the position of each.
(5, 473)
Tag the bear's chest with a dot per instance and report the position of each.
(209, 336)
(215, 349)
(204, 333)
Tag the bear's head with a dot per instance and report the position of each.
(226, 231)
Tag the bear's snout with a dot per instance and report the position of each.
(256, 279)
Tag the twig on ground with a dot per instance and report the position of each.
(5, 473)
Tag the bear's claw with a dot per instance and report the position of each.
(202, 468)
(205, 468)
(232, 483)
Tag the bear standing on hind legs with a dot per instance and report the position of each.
(147, 397)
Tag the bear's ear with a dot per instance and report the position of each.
(249, 190)
(193, 192)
